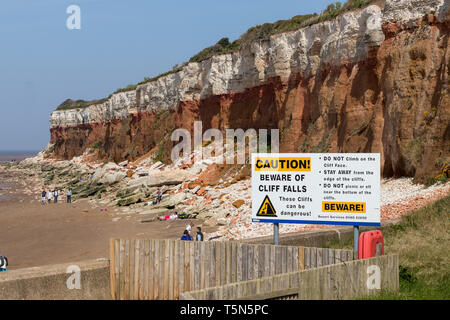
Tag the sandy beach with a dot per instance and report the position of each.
(32, 234)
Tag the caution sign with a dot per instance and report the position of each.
(266, 209)
(282, 164)
(316, 188)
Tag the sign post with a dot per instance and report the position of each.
(328, 188)
(276, 233)
(355, 238)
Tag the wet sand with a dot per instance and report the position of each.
(32, 234)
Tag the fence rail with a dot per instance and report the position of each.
(346, 280)
(163, 269)
(318, 257)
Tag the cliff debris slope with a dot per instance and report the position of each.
(373, 79)
(213, 195)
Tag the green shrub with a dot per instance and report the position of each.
(222, 46)
(95, 145)
(73, 104)
(80, 104)
(323, 145)
(441, 178)
(359, 129)
(160, 154)
(161, 114)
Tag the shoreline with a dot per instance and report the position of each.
(33, 235)
(6, 156)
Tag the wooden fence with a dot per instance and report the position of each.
(318, 257)
(347, 280)
(163, 269)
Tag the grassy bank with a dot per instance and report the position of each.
(421, 240)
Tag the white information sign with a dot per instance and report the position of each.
(316, 188)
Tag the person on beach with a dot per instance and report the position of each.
(158, 195)
(188, 229)
(55, 196)
(168, 217)
(186, 236)
(69, 195)
(199, 236)
(44, 198)
(49, 196)
(3, 263)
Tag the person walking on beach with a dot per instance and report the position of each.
(55, 196)
(199, 236)
(186, 236)
(43, 196)
(69, 195)
(49, 196)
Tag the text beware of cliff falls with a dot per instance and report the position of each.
(327, 188)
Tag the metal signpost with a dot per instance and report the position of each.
(327, 188)
(276, 233)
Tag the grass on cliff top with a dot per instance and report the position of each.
(79, 104)
(264, 31)
(421, 241)
(257, 33)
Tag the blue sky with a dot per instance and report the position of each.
(120, 42)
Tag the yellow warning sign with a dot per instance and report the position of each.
(266, 209)
(354, 207)
(282, 164)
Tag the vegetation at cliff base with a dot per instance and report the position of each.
(257, 33)
(421, 241)
(95, 145)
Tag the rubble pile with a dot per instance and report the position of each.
(219, 195)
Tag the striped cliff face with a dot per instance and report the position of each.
(373, 80)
